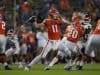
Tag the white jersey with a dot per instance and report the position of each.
(42, 38)
(66, 47)
(14, 48)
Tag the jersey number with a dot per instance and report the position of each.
(54, 28)
(3, 26)
(73, 33)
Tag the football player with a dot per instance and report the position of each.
(3, 43)
(13, 48)
(93, 40)
(53, 25)
(68, 45)
(86, 23)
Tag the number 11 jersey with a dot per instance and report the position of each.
(54, 28)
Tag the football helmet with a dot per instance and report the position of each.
(53, 13)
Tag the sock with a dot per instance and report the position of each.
(81, 63)
(69, 63)
(53, 62)
(35, 60)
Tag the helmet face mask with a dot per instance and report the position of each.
(55, 16)
(53, 13)
(10, 34)
(87, 18)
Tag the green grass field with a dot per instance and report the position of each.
(90, 69)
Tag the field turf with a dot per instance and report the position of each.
(90, 69)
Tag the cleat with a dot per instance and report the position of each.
(79, 67)
(27, 68)
(20, 66)
(69, 68)
(7, 68)
(47, 68)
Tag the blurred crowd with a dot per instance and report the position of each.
(20, 10)
(17, 12)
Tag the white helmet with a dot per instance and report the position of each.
(10, 33)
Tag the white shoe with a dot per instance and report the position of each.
(27, 68)
(20, 66)
(47, 68)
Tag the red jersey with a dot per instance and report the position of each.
(31, 38)
(73, 34)
(97, 30)
(24, 37)
(2, 28)
(54, 28)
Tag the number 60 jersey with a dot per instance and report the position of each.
(54, 28)
(74, 34)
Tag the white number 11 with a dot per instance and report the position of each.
(54, 28)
